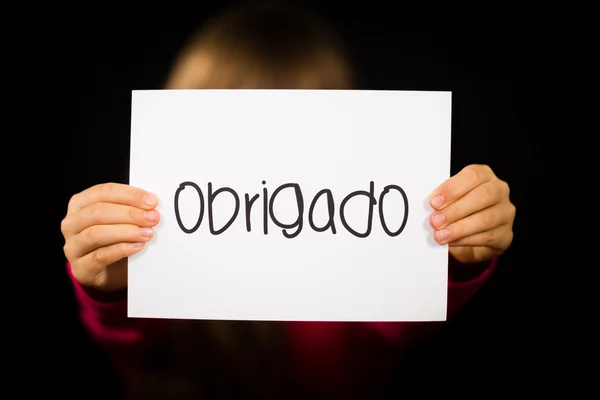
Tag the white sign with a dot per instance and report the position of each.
(290, 205)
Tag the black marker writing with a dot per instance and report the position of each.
(265, 208)
(372, 203)
(385, 191)
(300, 202)
(249, 203)
(178, 215)
(330, 208)
(292, 230)
(211, 198)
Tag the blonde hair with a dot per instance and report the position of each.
(263, 46)
(249, 47)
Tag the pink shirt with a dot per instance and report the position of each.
(326, 355)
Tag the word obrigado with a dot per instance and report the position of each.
(292, 230)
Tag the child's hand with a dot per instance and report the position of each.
(104, 225)
(474, 215)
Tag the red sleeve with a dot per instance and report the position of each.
(460, 291)
(322, 349)
(107, 324)
(332, 353)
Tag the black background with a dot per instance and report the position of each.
(508, 69)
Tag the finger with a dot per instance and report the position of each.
(113, 193)
(97, 261)
(499, 238)
(460, 184)
(482, 221)
(98, 236)
(480, 198)
(476, 254)
(108, 214)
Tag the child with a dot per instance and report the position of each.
(279, 48)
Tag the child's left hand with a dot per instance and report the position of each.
(474, 215)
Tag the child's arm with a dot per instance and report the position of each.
(463, 282)
(107, 323)
(474, 216)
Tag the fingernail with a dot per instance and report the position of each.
(443, 235)
(150, 199)
(437, 201)
(438, 219)
(146, 232)
(151, 216)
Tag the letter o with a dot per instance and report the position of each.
(177, 214)
(385, 191)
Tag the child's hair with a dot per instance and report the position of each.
(263, 46)
(257, 46)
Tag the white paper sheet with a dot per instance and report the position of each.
(336, 140)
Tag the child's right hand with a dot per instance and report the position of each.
(104, 225)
